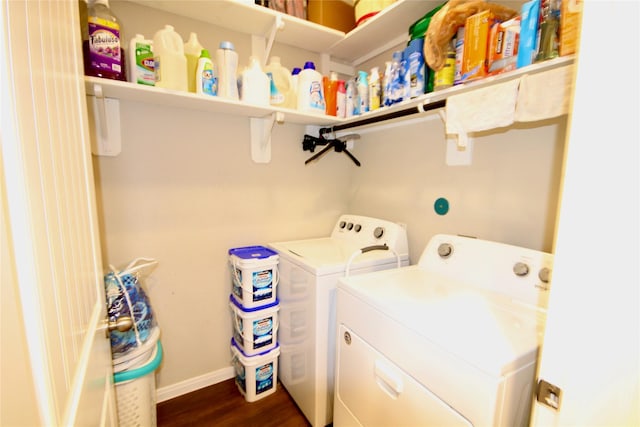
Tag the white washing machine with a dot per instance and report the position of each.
(308, 275)
(451, 341)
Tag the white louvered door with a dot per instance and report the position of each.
(51, 212)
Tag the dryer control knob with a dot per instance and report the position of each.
(378, 232)
(544, 275)
(349, 226)
(357, 228)
(520, 269)
(342, 224)
(445, 250)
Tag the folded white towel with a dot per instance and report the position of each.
(481, 109)
(544, 95)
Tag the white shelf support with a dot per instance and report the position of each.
(261, 136)
(104, 118)
(278, 25)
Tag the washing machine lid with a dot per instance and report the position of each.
(487, 330)
(327, 255)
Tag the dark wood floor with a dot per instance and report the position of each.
(223, 405)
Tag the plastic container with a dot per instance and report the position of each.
(310, 91)
(416, 77)
(255, 84)
(282, 93)
(341, 100)
(256, 376)
(206, 80)
(169, 60)
(330, 85)
(398, 83)
(362, 93)
(445, 76)
(351, 98)
(136, 392)
(254, 329)
(105, 57)
(227, 62)
(367, 9)
(375, 89)
(141, 69)
(192, 51)
(254, 275)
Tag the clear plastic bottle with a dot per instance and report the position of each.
(192, 51)
(227, 62)
(549, 28)
(104, 50)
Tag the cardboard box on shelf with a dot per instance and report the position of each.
(336, 14)
(476, 36)
(570, 15)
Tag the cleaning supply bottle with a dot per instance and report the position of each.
(362, 93)
(398, 84)
(549, 30)
(375, 89)
(192, 51)
(341, 100)
(330, 86)
(206, 80)
(281, 88)
(170, 63)
(351, 98)
(310, 91)
(416, 67)
(255, 84)
(106, 58)
(295, 78)
(227, 62)
(141, 69)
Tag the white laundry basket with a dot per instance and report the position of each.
(136, 392)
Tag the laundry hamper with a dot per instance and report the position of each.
(136, 392)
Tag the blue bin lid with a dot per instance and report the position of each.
(235, 344)
(252, 252)
(235, 302)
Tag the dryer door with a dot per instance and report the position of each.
(372, 391)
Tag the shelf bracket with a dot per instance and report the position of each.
(277, 25)
(261, 136)
(104, 119)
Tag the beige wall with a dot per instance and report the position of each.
(185, 190)
(509, 192)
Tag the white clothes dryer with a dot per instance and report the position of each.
(308, 275)
(451, 341)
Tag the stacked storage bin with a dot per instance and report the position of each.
(254, 318)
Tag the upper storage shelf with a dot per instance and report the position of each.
(391, 23)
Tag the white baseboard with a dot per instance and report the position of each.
(193, 384)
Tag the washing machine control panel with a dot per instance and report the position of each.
(366, 231)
